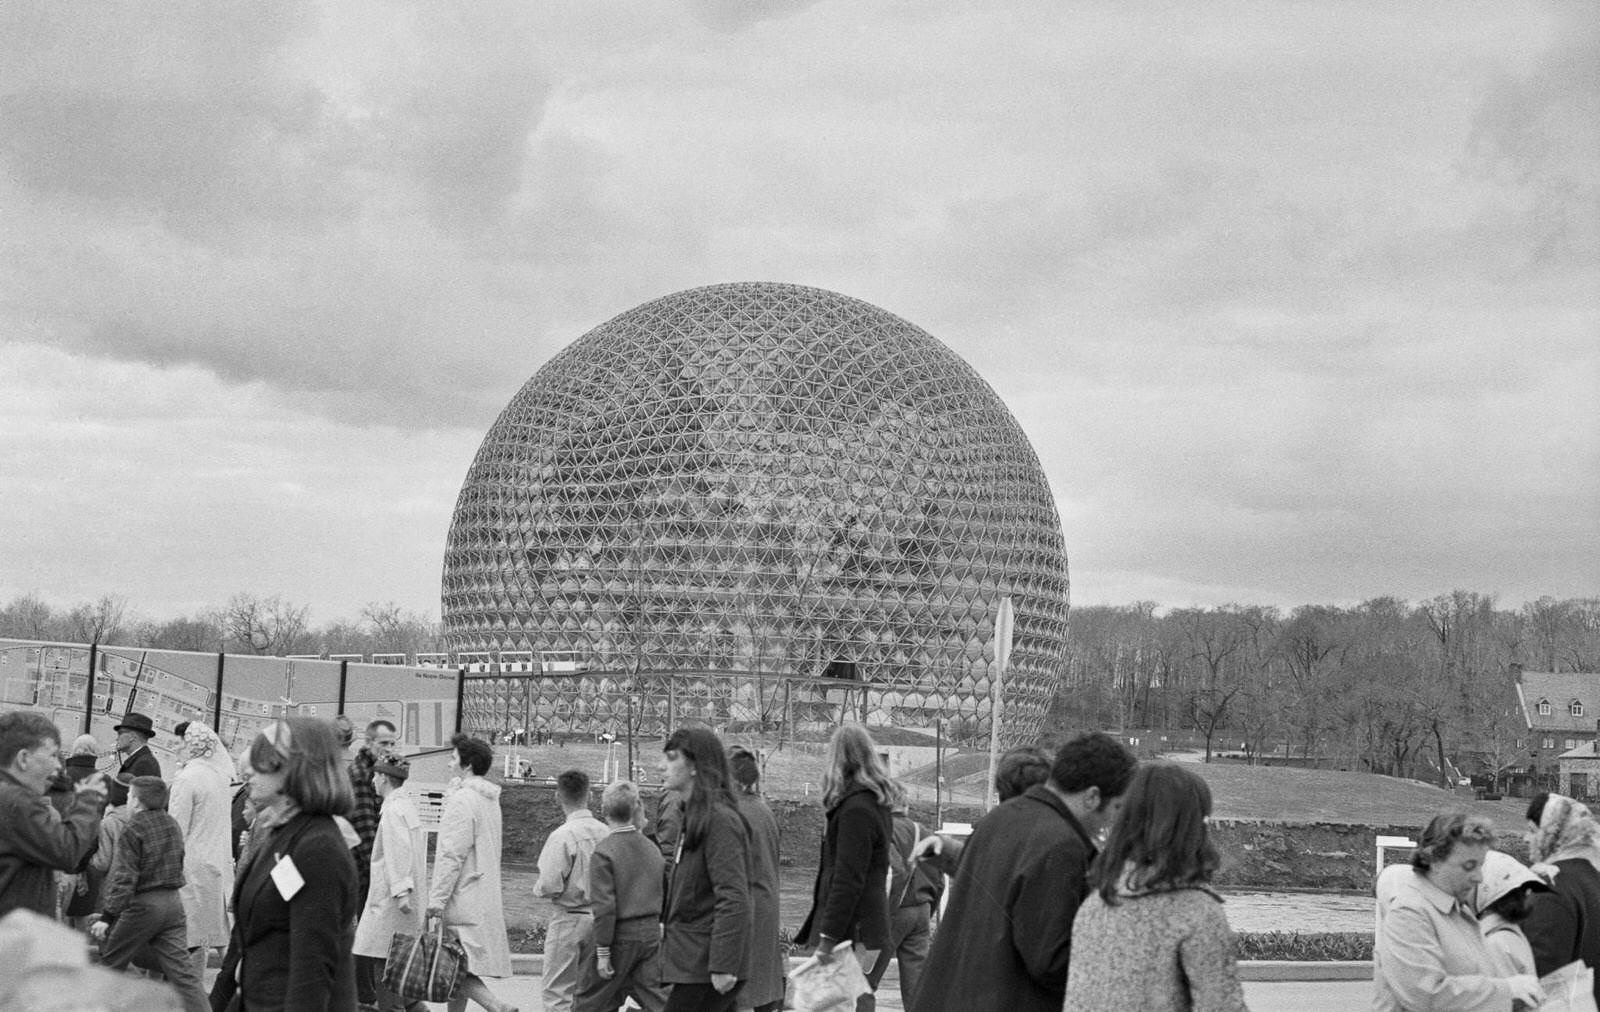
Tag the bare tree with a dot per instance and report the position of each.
(269, 626)
(98, 621)
(28, 617)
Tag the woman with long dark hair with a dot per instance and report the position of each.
(1151, 936)
(849, 901)
(705, 946)
(295, 897)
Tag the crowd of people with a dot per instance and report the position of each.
(1088, 887)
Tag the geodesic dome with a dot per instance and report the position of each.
(736, 502)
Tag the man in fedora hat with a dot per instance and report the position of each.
(133, 742)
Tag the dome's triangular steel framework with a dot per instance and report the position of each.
(722, 496)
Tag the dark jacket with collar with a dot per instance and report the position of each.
(1006, 936)
(36, 841)
(296, 952)
(141, 762)
(709, 910)
(849, 899)
(1564, 923)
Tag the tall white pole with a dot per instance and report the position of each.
(1002, 656)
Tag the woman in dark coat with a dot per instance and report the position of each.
(763, 992)
(850, 901)
(290, 950)
(705, 945)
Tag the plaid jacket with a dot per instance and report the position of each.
(364, 816)
(149, 856)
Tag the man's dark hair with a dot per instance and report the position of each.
(746, 770)
(573, 786)
(475, 753)
(151, 792)
(24, 730)
(1093, 759)
(381, 722)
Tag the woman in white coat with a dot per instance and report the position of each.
(399, 872)
(466, 875)
(201, 802)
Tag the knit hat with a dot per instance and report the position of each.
(394, 764)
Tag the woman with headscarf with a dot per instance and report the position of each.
(849, 901)
(1563, 924)
(200, 804)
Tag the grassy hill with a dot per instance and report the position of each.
(1264, 793)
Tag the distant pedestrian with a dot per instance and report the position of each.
(564, 881)
(380, 736)
(133, 744)
(1429, 952)
(763, 992)
(705, 946)
(1563, 924)
(1005, 940)
(466, 892)
(849, 900)
(914, 891)
(199, 804)
(1151, 936)
(623, 957)
(36, 841)
(142, 911)
(394, 901)
(1019, 768)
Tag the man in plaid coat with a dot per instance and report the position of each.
(380, 738)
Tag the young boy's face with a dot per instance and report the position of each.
(135, 803)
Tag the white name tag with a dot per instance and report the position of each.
(287, 877)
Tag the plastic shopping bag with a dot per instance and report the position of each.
(1569, 989)
(828, 987)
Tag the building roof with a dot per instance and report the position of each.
(1560, 689)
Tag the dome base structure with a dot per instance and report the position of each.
(755, 505)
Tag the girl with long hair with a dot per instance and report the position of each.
(849, 901)
(705, 944)
(1151, 936)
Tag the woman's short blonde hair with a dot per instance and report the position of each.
(317, 777)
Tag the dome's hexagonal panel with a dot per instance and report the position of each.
(728, 491)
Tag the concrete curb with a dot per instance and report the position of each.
(532, 965)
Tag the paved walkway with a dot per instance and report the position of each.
(1262, 996)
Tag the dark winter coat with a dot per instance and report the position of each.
(1565, 923)
(1006, 936)
(36, 841)
(850, 897)
(767, 968)
(296, 952)
(708, 905)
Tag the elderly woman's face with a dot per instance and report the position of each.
(1460, 873)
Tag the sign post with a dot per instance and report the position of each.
(1002, 656)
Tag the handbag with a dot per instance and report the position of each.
(425, 967)
(1568, 989)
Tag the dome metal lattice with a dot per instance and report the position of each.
(727, 492)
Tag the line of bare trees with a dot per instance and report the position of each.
(246, 624)
(1409, 689)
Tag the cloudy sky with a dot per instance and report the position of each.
(1298, 302)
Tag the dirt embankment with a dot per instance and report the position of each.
(1255, 854)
